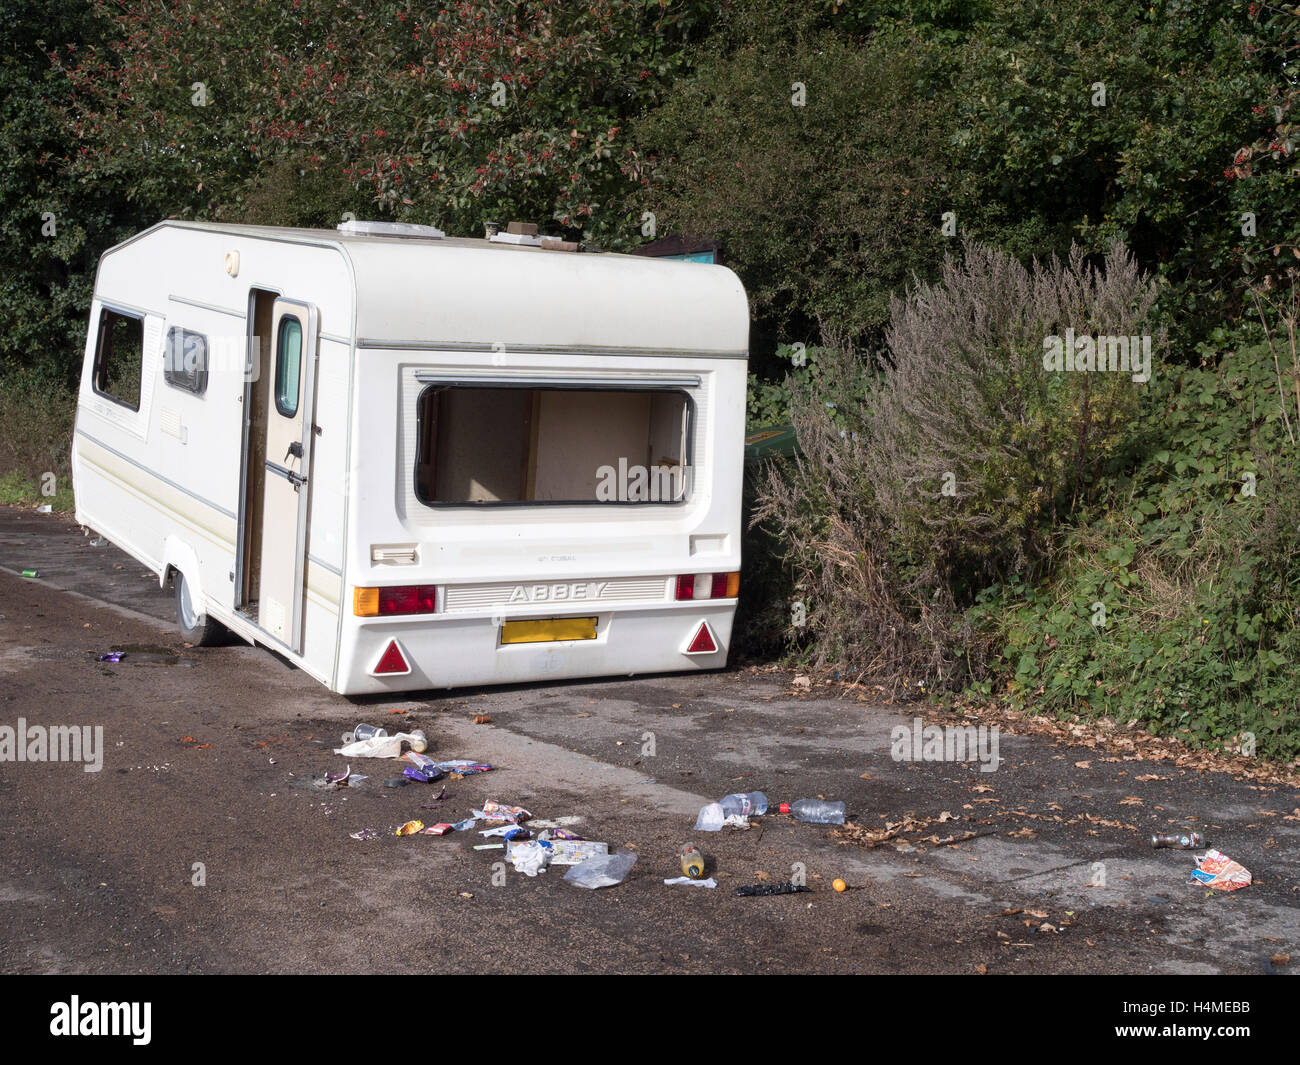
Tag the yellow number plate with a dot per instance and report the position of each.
(548, 630)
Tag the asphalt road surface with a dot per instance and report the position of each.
(203, 845)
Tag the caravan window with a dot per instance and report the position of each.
(119, 357)
(185, 363)
(513, 445)
(288, 360)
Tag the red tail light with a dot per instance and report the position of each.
(389, 602)
(707, 586)
(392, 660)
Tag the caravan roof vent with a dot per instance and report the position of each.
(391, 229)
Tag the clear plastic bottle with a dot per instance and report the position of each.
(815, 811)
(753, 804)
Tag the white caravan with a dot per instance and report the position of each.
(404, 461)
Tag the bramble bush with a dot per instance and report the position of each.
(1178, 597)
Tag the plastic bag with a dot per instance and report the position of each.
(530, 857)
(378, 746)
(711, 818)
(605, 870)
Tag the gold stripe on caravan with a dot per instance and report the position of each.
(323, 586)
(193, 513)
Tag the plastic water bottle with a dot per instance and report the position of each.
(815, 811)
(752, 805)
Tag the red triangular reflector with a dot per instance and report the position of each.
(703, 641)
(392, 660)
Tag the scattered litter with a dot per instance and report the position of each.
(440, 829)
(605, 870)
(1218, 871)
(31, 574)
(711, 818)
(506, 832)
(378, 746)
(574, 852)
(488, 846)
(815, 811)
(418, 775)
(464, 767)
(482, 719)
(710, 883)
(496, 811)
(1181, 840)
(410, 828)
(110, 656)
(751, 803)
(692, 861)
(839, 885)
(365, 833)
(530, 857)
(44, 508)
(425, 764)
(466, 825)
(338, 778)
(771, 889)
(365, 732)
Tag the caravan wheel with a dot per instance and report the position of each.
(196, 627)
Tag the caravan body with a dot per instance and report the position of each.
(407, 462)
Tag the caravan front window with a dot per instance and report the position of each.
(531, 445)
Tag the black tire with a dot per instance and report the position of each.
(196, 627)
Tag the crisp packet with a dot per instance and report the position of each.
(1216, 870)
(410, 828)
(495, 811)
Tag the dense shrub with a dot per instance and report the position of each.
(923, 482)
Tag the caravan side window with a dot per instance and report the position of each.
(119, 357)
(288, 363)
(186, 361)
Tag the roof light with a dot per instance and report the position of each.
(390, 229)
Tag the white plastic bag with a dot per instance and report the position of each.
(378, 746)
(711, 818)
(605, 870)
(529, 857)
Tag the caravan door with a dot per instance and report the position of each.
(288, 468)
